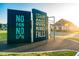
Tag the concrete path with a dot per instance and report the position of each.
(72, 35)
(50, 45)
(58, 44)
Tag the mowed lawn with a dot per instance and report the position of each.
(3, 35)
(76, 39)
(58, 53)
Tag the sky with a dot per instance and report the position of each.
(67, 11)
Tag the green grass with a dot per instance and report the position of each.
(3, 35)
(74, 39)
(60, 53)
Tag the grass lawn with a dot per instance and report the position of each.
(3, 35)
(58, 53)
(74, 39)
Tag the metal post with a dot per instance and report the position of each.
(54, 24)
(54, 27)
(32, 40)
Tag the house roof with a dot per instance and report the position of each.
(63, 22)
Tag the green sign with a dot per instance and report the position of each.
(19, 26)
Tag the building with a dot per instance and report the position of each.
(64, 25)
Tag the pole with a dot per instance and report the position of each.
(54, 27)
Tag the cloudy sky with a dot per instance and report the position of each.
(59, 10)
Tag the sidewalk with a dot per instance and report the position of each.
(50, 45)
